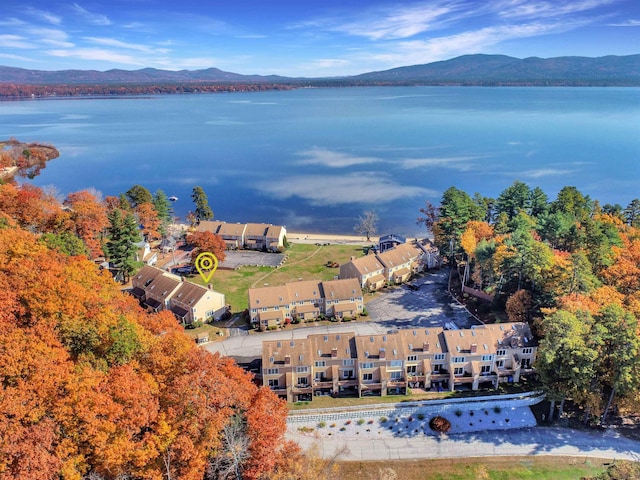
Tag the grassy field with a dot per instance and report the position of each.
(490, 468)
(306, 262)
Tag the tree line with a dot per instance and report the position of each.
(92, 386)
(568, 266)
(85, 223)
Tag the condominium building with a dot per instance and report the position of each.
(346, 364)
(272, 306)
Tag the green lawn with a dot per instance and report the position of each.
(490, 468)
(306, 262)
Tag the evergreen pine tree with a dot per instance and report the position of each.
(163, 207)
(123, 234)
(203, 211)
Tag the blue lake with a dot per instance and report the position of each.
(315, 159)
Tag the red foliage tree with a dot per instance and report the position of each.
(207, 242)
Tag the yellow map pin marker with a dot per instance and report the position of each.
(206, 264)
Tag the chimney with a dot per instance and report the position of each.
(287, 359)
(210, 287)
(474, 347)
(425, 347)
(383, 353)
(334, 352)
(353, 258)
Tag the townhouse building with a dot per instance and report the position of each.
(400, 263)
(367, 270)
(287, 368)
(334, 364)
(154, 287)
(159, 290)
(346, 364)
(255, 236)
(381, 363)
(394, 265)
(342, 298)
(272, 306)
(251, 236)
(194, 303)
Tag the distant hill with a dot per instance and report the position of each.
(501, 69)
(465, 70)
(144, 76)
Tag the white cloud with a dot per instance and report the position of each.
(11, 56)
(361, 187)
(94, 18)
(456, 163)
(14, 41)
(628, 23)
(540, 9)
(545, 172)
(97, 54)
(398, 22)
(475, 41)
(44, 15)
(50, 36)
(333, 159)
(12, 22)
(112, 42)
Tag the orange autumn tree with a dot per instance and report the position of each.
(89, 219)
(207, 242)
(91, 384)
(148, 218)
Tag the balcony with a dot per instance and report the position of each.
(396, 383)
(300, 388)
(323, 383)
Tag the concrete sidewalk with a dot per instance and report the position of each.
(529, 441)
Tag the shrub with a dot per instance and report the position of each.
(370, 422)
(458, 413)
(322, 424)
(383, 419)
(333, 425)
(360, 421)
(342, 429)
(497, 409)
(305, 429)
(420, 416)
(348, 422)
(440, 424)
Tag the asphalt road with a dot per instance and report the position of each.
(529, 441)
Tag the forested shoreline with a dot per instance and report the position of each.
(570, 267)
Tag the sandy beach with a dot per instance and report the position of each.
(304, 237)
(309, 238)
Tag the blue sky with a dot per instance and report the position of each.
(305, 38)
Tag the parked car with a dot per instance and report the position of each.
(186, 270)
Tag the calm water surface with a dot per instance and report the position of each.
(314, 159)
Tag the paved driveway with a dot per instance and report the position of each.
(528, 441)
(239, 258)
(429, 306)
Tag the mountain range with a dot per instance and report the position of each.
(476, 69)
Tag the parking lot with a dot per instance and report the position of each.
(240, 258)
(430, 305)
